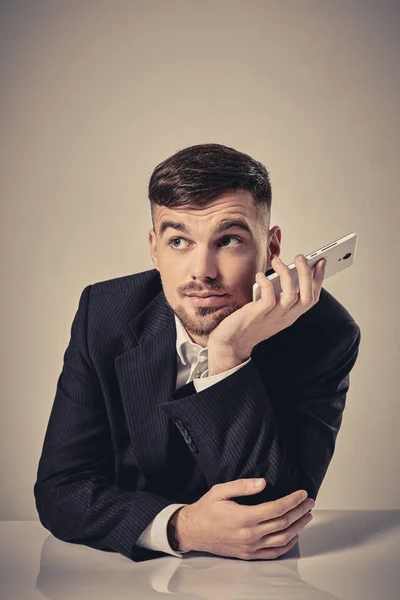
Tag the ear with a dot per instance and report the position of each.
(274, 246)
(153, 248)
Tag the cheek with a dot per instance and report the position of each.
(170, 277)
(242, 272)
(241, 282)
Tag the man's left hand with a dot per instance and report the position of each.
(233, 340)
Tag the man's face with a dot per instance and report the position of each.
(204, 254)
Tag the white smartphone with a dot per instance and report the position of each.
(339, 255)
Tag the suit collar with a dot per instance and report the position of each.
(153, 319)
(146, 374)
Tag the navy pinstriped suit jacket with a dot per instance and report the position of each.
(113, 455)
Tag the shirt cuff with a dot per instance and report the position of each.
(204, 382)
(155, 537)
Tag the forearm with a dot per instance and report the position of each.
(240, 430)
(97, 514)
(234, 428)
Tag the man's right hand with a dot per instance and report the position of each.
(220, 526)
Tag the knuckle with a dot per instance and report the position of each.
(215, 488)
(268, 303)
(292, 299)
(308, 301)
(244, 555)
(307, 518)
(279, 509)
(284, 522)
(284, 538)
(254, 546)
(275, 552)
(244, 486)
(283, 550)
(245, 535)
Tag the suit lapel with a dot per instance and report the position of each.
(146, 374)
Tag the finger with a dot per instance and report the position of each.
(284, 537)
(289, 295)
(282, 523)
(270, 553)
(267, 298)
(306, 284)
(318, 278)
(274, 508)
(238, 487)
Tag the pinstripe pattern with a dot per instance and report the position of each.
(113, 456)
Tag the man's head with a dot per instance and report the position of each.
(210, 208)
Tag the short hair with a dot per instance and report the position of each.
(200, 173)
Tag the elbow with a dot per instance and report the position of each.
(56, 510)
(46, 510)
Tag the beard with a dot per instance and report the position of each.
(205, 319)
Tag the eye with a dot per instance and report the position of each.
(233, 237)
(171, 243)
(179, 246)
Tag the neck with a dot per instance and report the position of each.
(202, 340)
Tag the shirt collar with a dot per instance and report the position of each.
(183, 339)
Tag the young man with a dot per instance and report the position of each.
(178, 391)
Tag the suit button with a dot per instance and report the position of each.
(193, 448)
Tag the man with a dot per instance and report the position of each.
(178, 392)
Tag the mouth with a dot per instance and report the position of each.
(207, 295)
(208, 299)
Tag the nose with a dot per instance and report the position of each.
(203, 265)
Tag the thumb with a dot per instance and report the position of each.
(240, 487)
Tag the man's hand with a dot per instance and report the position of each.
(220, 526)
(233, 340)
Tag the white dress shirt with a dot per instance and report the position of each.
(192, 362)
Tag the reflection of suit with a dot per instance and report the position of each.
(113, 456)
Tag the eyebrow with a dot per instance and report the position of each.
(222, 226)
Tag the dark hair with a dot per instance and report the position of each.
(198, 174)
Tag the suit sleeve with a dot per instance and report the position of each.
(234, 431)
(75, 492)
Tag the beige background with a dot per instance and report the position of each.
(96, 93)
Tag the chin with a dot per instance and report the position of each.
(202, 320)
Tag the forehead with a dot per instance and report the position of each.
(240, 203)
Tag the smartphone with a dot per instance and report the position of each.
(339, 255)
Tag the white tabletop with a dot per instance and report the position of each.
(346, 555)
